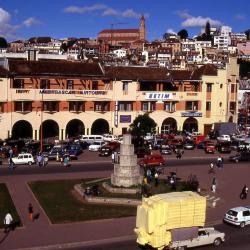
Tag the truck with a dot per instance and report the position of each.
(174, 221)
(223, 128)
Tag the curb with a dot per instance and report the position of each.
(100, 241)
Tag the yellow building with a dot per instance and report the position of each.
(72, 98)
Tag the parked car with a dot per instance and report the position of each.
(74, 150)
(152, 160)
(96, 146)
(202, 144)
(189, 144)
(243, 146)
(210, 147)
(242, 156)
(23, 159)
(113, 145)
(105, 151)
(224, 147)
(56, 150)
(224, 138)
(239, 216)
(166, 149)
(109, 137)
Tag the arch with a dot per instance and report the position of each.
(22, 129)
(74, 128)
(190, 124)
(169, 125)
(99, 127)
(50, 129)
(230, 119)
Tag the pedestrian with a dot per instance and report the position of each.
(214, 185)
(10, 153)
(8, 220)
(156, 179)
(30, 210)
(66, 161)
(57, 156)
(39, 160)
(220, 162)
(113, 157)
(243, 194)
(149, 175)
(11, 163)
(211, 168)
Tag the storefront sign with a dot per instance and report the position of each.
(72, 92)
(125, 118)
(22, 91)
(191, 114)
(160, 96)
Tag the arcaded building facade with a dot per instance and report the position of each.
(72, 98)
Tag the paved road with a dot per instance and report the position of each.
(96, 165)
(235, 239)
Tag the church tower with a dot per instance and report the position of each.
(142, 29)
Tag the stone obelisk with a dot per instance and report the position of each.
(126, 171)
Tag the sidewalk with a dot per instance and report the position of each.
(41, 233)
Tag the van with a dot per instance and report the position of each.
(90, 139)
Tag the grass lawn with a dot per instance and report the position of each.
(6, 204)
(62, 206)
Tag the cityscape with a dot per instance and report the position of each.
(124, 126)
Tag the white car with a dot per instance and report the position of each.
(96, 146)
(239, 216)
(23, 159)
(224, 138)
(109, 138)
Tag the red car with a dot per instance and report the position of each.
(210, 147)
(152, 160)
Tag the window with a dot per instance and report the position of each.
(76, 106)
(23, 107)
(1, 107)
(220, 104)
(170, 106)
(233, 88)
(70, 84)
(125, 86)
(232, 106)
(246, 213)
(18, 84)
(192, 105)
(125, 106)
(45, 84)
(51, 106)
(102, 106)
(95, 85)
(209, 87)
(208, 106)
(221, 85)
(148, 106)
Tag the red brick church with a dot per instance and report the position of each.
(124, 36)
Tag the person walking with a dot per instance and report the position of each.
(211, 168)
(214, 185)
(8, 220)
(113, 157)
(156, 176)
(39, 160)
(30, 210)
(243, 194)
(220, 162)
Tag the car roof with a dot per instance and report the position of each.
(240, 209)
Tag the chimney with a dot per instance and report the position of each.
(32, 55)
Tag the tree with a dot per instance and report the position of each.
(142, 125)
(183, 34)
(3, 43)
(208, 29)
(247, 32)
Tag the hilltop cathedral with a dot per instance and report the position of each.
(124, 36)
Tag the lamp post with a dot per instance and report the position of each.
(41, 126)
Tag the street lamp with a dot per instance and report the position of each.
(41, 126)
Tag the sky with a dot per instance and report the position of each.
(85, 18)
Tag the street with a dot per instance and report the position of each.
(236, 238)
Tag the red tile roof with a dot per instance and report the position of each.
(54, 68)
(119, 31)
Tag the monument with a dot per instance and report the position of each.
(126, 171)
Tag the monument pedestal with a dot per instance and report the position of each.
(126, 172)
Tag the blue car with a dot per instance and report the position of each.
(74, 150)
